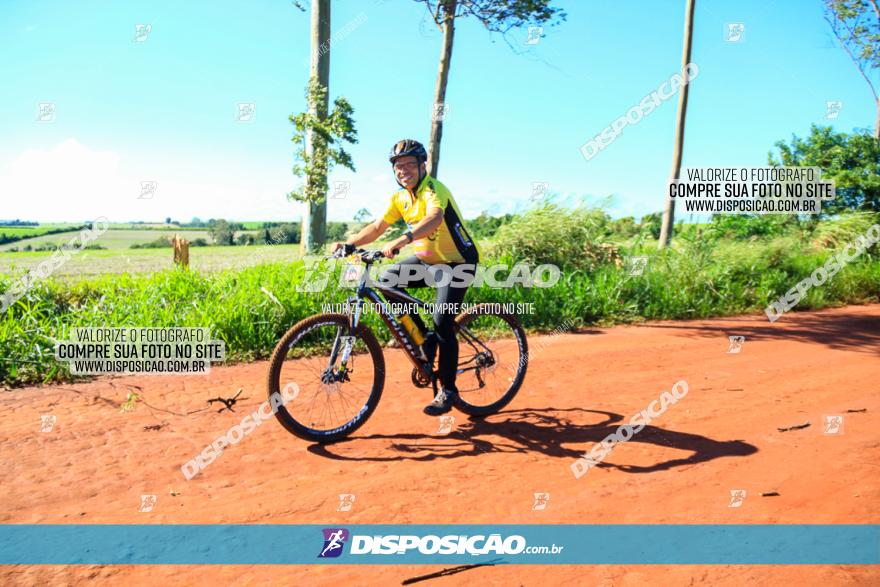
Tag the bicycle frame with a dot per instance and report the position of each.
(364, 293)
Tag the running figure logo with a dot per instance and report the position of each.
(735, 32)
(539, 189)
(334, 539)
(447, 423)
(736, 343)
(541, 500)
(47, 422)
(148, 190)
(832, 109)
(737, 496)
(637, 265)
(340, 189)
(346, 500)
(147, 503)
(535, 33)
(833, 425)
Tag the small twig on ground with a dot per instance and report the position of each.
(228, 402)
(795, 427)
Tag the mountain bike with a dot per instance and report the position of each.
(339, 367)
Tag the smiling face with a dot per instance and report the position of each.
(407, 171)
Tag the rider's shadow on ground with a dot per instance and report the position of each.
(549, 431)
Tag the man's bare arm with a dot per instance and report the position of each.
(369, 233)
(431, 222)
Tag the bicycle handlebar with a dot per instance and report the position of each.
(366, 256)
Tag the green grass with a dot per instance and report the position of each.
(146, 261)
(253, 224)
(117, 238)
(23, 230)
(696, 279)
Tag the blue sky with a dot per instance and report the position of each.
(164, 109)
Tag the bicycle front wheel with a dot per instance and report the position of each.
(492, 359)
(340, 376)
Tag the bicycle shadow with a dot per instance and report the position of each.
(547, 431)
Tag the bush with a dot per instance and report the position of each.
(568, 238)
(336, 231)
(222, 232)
(485, 226)
(842, 230)
(160, 243)
(651, 223)
(244, 239)
(698, 277)
(741, 226)
(279, 233)
(625, 227)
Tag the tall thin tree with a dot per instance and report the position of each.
(314, 227)
(446, 15)
(857, 26)
(669, 210)
(498, 16)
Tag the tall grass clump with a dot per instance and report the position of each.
(705, 273)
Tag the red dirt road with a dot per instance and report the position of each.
(96, 462)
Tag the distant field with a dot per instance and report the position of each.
(253, 225)
(116, 238)
(23, 230)
(163, 226)
(202, 259)
(31, 230)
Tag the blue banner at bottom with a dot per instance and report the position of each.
(739, 544)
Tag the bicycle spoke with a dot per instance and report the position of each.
(329, 397)
(488, 360)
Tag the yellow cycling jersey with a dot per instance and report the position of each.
(450, 243)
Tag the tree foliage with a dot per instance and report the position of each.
(327, 151)
(856, 24)
(363, 215)
(851, 160)
(499, 16)
(222, 232)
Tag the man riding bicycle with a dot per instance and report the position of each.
(441, 242)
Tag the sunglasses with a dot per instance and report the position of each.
(411, 166)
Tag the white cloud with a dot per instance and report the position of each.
(68, 182)
(72, 182)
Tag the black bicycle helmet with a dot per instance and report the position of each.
(408, 147)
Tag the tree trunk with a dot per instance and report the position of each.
(877, 122)
(440, 88)
(314, 229)
(669, 211)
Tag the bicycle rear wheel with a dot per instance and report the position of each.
(492, 359)
(332, 401)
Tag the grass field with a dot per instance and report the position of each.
(253, 303)
(31, 230)
(247, 295)
(117, 238)
(139, 261)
